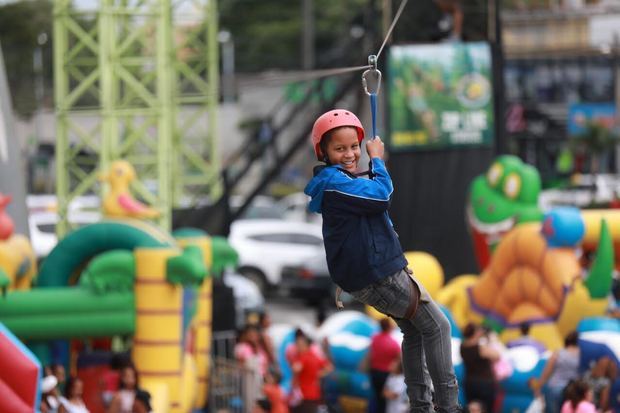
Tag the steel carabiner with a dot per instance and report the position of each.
(373, 75)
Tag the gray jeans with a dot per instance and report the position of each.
(427, 347)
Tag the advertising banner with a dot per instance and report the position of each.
(580, 114)
(440, 96)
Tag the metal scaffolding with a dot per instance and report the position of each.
(137, 80)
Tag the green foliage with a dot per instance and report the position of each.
(267, 33)
(20, 25)
(596, 140)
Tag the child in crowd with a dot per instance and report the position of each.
(274, 393)
(73, 402)
(600, 378)
(365, 258)
(395, 390)
(579, 398)
(128, 391)
(308, 369)
(49, 394)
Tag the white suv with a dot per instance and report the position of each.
(42, 219)
(266, 246)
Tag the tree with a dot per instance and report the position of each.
(596, 140)
(267, 33)
(21, 23)
(424, 21)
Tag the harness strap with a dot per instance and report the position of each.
(415, 297)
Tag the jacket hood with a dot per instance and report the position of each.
(317, 185)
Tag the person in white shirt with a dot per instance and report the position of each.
(73, 402)
(395, 390)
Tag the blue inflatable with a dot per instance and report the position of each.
(598, 337)
(563, 227)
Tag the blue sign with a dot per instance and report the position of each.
(580, 114)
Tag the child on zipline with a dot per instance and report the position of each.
(365, 258)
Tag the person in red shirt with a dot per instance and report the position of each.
(308, 369)
(274, 393)
(382, 353)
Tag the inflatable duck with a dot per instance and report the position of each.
(119, 202)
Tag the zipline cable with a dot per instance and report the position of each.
(317, 74)
(389, 32)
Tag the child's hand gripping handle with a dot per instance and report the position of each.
(375, 148)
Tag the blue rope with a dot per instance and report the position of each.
(373, 112)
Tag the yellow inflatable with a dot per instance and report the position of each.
(528, 281)
(454, 296)
(18, 263)
(427, 269)
(119, 202)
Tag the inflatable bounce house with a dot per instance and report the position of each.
(119, 277)
(533, 270)
(20, 393)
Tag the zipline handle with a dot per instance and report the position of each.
(374, 75)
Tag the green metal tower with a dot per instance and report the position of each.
(136, 80)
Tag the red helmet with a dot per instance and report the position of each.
(331, 120)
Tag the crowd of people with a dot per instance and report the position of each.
(262, 376)
(119, 389)
(309, 362)
(567, 389)
(561, 388)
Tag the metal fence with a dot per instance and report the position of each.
(223, 345)
(234, 389)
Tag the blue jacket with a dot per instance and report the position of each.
(360, 243)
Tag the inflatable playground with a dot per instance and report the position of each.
(124, 277)
(121, 277)
(535, 271)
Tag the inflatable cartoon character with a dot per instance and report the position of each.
(119, 202)
(505, 196)
(534, 276)
(17, 259)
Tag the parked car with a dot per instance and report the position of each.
(311, 281)
(262, 207)
(295, 208)
(266, 246)
(248, 298)
(42, 228)
(43, 217)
